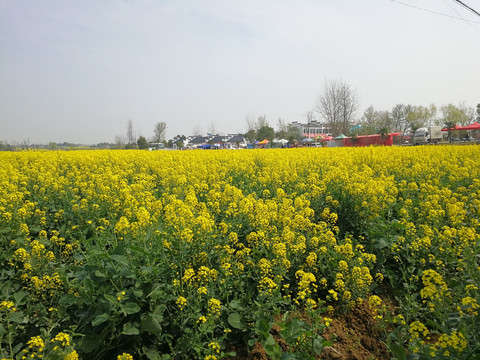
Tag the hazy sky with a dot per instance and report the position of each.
(78, 70)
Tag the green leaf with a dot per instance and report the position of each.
(35, 229)
(398, 350)
(20, 297)
(272, 349)
(120, 259)
(89, 285)
(17, 348)
(5, 230)
(67, 299)
(151, 325)
(89, 343)
(138, 293)
(130, 329)
(151, 353)
(252, 342)
(263, 327)
(100, 319)
(16, 317)
(130, 308)
(100, 274)
(292, 330)
(288, 356)
(318, 345)
(235, 320)
(382, 243)
(110, 298)
(235, 305)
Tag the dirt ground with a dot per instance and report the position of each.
(355, 336)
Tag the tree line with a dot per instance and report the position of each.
(130, 140)
(338, 104)
(337, 108)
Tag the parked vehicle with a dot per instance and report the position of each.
(428, 135)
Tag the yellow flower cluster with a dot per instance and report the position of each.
(417, 330)
(214, 307)
(181, 302)
(9, 305)
(45, 286)
(125, 356)
(470, 306)
(434, 289)
(35, 347)
(215, 347)
(447, 344)
(71, 356)
(62, 338)
(59, 347)
(306, 284)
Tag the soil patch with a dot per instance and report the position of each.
(355, 336)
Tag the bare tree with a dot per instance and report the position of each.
(26, 143)
(337, 105)
(159, 132)
(251, 123)
(212, 129)
(282, 129)
(433, 119)
(119, 141)
(197, 131)
(310, 117)
(130, 133)
(262, 121)
(281, 125)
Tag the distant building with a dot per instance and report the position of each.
(312, 129)
(236, 142)
(199, 140)
(218, 139)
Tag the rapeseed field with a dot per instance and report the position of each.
(194, 254)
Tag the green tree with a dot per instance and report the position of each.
(142, 143)
(373, 121)
(370, 121)
(52, 146)
(254, 126)
(478, 113)
(282, 129)
(251, 135)
(452, 115)
(266, 132)
(294, 134)
(399, 117)
(417, 117)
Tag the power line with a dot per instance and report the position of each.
(431, 11)
(468, 22)
(467, 7)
